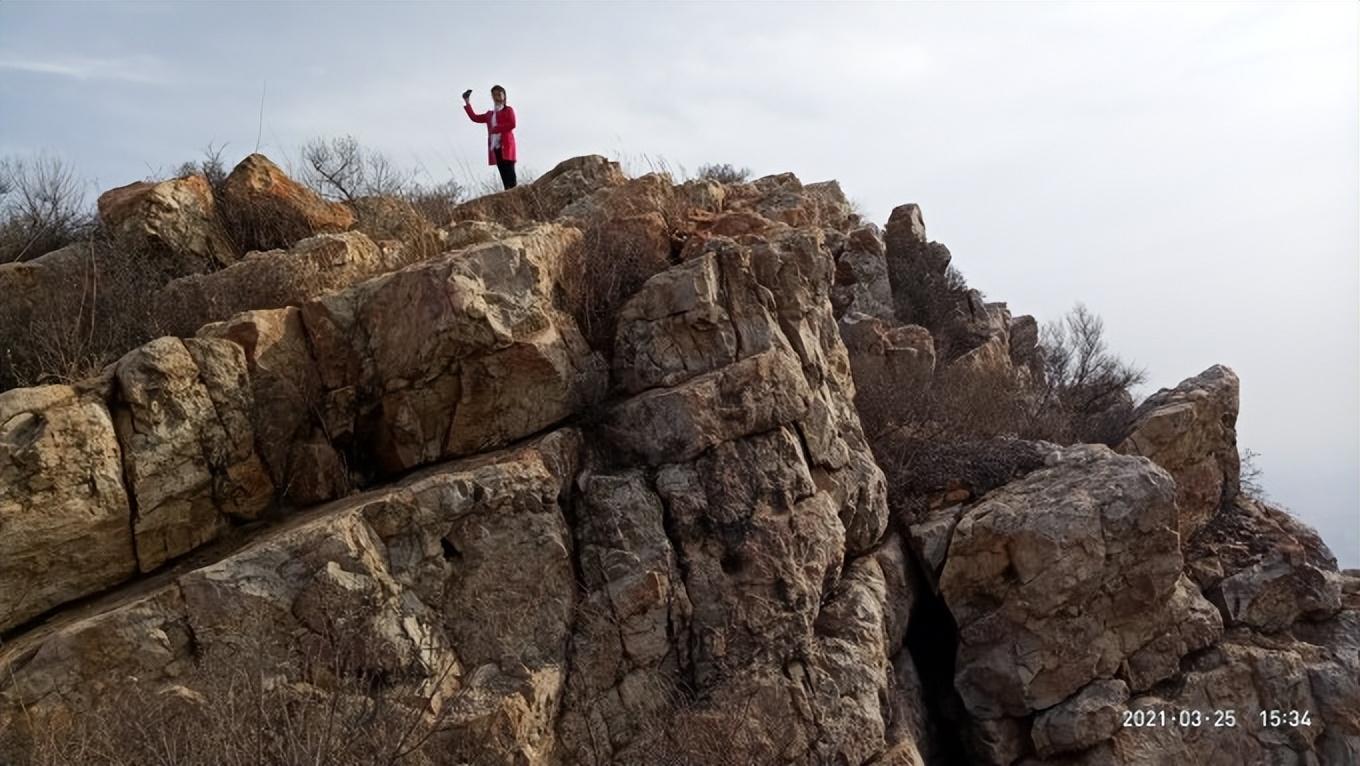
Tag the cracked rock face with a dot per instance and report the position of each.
(178, 216)
(183, 417)
(1191, 431)
(1063, 577)
(267, 209)
(64, 517)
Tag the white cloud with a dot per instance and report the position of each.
(134, 69)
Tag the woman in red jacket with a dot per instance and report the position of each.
(500, 132)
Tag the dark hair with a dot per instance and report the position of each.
(495, 88)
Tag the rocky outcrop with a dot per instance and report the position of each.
(569, 182)
(1034, 565)
(473, 553)
(911, 256)
(264, 209)
(1190, 431)
(456, 355)
(1263, 568)
(183, 415)
(420, 492)
(178, 216)
(294, 444)
(63, 510)
(272, 279)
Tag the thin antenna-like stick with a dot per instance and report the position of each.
(260, 129)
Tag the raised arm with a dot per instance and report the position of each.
(473, 115)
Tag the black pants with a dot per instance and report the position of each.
(507, 168)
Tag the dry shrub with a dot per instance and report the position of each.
(436, 203)
(211, 167)
(83, 314)
(257, 698)
(957, 404)
(42, 207)
(263, 224)
(615, 258)
(1085, 393)
(343, 170)
(724, 173)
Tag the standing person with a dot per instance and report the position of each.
(500, 131)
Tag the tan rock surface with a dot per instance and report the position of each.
(64, 519)
(179, 216)
(183, 416)
(1191, 431)
(1062, 577)
(266, 209)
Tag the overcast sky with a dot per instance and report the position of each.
(1189, 171)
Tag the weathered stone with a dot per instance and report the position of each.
(64, 518)
(676, 424)
(178, 216)
(630, 645)
(183, 417)
(550, 195)
(1089, 716)
(265, 209)
(909, 255)
(287, 403)
(420, 352)
(861, 282)
(1059, 578)
(693, 319)
(930, 541)
(1190, 430)
(272, 279)
(474, 554)
(1263, 568)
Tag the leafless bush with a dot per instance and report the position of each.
(80, 314)
(42, 207)
(253, 700)
(1085, 396)
(210, 167)
(436, 202)
(1251, 479)
(724, 173)
(341, 169)
(616, 257)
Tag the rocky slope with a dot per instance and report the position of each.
(663, 542)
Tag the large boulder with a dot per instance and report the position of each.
(913, 260)
(304, 466)
(64, 516)
(264, 209)
(183, 415)
(379, 589)
(272, 279)
(1191, 431)
(1263, 568)
(1070, 575)
(455, 355)
(571, 181)
(862, 284)
(178, 216)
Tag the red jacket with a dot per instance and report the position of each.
(505, 125)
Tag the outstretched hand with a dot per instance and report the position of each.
(467, 94)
